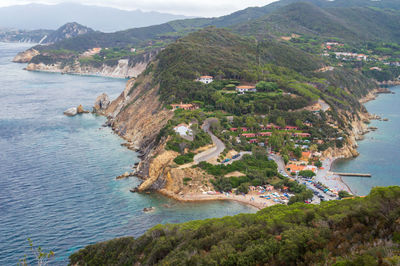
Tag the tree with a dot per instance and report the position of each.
(344, 194)
(307, 173)
(264, 86)
(243, 188)
(305, 195)
(297, 152)
(298, 123)
(251, 122)
(318, 164)
(285, 159)
(41, 257)
(280, 121)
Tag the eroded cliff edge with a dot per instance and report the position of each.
(71, 64)
(137, 115)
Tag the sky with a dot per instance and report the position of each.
(203, 8)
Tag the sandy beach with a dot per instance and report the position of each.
(252, 198)
(326, 177)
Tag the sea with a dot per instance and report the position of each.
(57, 173)
(379, 151)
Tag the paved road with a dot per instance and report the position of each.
(215, 151)
(279, 161)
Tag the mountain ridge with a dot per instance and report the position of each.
(50, 17)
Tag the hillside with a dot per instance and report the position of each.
(361, 231)
(352, 24)
(288, 84)
(67, 31)
(310, 20)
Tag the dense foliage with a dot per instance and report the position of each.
(361, 231)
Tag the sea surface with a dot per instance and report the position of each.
(379, 151)
(57, 173)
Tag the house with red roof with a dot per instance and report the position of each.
(244, 89)
(249, 135)
(205, 79)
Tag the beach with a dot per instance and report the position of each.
(333, 181)
(252, 198)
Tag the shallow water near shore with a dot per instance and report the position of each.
(379, 151)
(57, 174)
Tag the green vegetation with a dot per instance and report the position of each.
(361, 231)
(344, 194)
(183, 159)
(307, 174)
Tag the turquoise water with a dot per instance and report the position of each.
(380, 150)
(57, 174)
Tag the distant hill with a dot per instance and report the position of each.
(67, 31)
(34, 36)
(38, 16)
(351, 24)
(385, 4)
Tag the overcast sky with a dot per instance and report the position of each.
(205, 8)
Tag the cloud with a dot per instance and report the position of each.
(205, 8)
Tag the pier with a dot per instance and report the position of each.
(354, 174)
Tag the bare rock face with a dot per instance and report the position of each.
(80, 110)
(101, 104)
(26, 56)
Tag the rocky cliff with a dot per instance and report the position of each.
(26, 56)
(123, 68)
(137, 115)
(120, 70)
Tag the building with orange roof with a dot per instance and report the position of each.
(244, 88)
(305, 155)
(184, 106)
(295, 168)
(206, 79)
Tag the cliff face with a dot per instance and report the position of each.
(358, 129)
(137, 115)
(25, 56)
(121, 70)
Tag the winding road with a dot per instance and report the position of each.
(215, 151)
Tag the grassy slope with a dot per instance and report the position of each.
(362, 231)
(277, 17)
(351, 24)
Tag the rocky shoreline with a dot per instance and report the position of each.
(350, 150)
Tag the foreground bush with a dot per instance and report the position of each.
(347, 232)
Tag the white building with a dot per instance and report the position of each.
(183, 130)
(245, 89)
(206, 79)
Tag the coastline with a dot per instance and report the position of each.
(335, 181)
(251, 199)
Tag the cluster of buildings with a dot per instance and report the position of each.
(253, 136)
(302, 164)
(267, 127)
(330, 45)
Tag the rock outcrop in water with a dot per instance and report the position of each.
(101, 104)
(71, 111)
